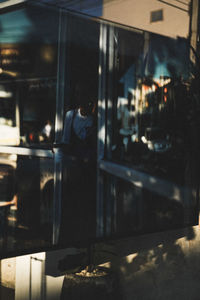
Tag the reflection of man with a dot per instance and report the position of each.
(78, 129)
(79, 174)
(47, 130)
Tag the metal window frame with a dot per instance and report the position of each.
(26, 151)
(101, 130)
(60, 100)
(106, 206)
(152, 183)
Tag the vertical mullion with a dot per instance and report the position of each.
(106, 209)
(102, 91)
(110, 90)
(110, 190)
(60, 93)
(101, 130)
(17, 114)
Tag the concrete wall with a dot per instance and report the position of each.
(159, 266)
(7, 276)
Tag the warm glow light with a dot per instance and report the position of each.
(7, 52)
(47, 53)
(11, 73)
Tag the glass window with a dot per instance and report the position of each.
(156, 15)
(28, 78)
(26, 203)
(146, 205)
(28, 70)
(155, 124)
(153, 132)
(79, 137)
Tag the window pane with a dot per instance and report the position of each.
(155, 132)
(80, 131)
(156, 15)
(155, 113)
(26, 203)
(28, 67)
(132, 209)
(28, 78)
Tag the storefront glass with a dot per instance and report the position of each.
(79, 137)
(98, 130)
(28, 79)
(155, 129)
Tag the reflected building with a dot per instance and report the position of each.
(160, 17)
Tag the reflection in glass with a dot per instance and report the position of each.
(152, 106)
(28, 72)
(26, 202)
(155, 207)
(155, 121)
(80, 133)
(28, 67)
